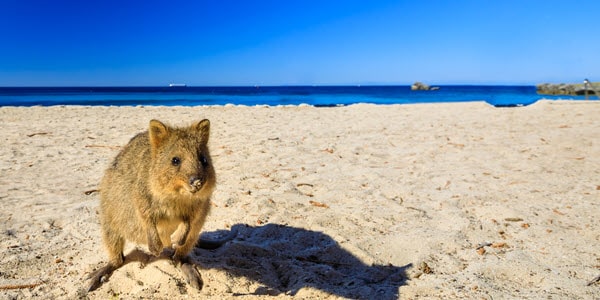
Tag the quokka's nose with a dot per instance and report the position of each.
(195, 181)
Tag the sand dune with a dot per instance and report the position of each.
(365, 201)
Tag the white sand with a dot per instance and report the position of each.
(362, 201)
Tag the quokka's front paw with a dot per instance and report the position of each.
(155, 247)
(181, 234)
(178, 241)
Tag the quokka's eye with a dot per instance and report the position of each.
(204, 161)
(175, 161)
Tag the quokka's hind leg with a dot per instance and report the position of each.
(101, 275)
(114, 245)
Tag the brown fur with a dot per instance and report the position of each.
(157, 193)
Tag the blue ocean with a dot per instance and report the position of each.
(501, 96)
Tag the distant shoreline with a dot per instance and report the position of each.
(571, 89)
(319, 96)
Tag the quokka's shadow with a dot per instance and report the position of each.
(285, 259)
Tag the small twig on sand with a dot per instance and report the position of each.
(513, 219)
(595, 280)
(37, 133)
(87, 193)
(318, 204)
(304, 184)
(19, 286)
(419, 210)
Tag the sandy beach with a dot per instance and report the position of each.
(452, 201)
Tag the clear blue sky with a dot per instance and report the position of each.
(281, 42)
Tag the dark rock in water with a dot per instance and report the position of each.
(419, 86)
(555, 89)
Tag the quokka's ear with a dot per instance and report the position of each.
(203, 129)
(158, 133)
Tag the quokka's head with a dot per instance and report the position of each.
(181, 163)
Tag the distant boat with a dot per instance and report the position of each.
(177, 85)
